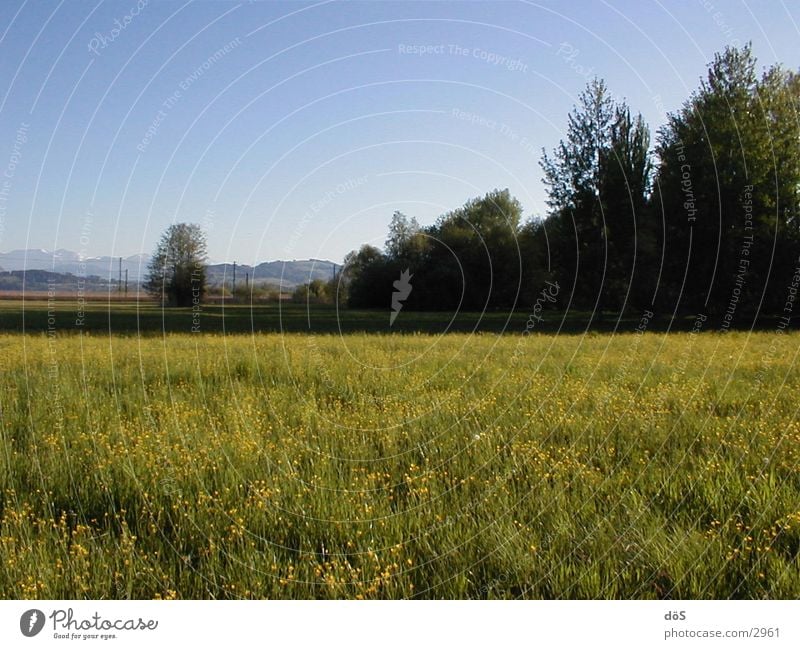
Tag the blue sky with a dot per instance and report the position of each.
(294, 130)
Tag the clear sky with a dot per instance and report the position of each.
(294, 130)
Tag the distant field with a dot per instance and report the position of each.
(65, 316)
(376, 466)
(147, 318)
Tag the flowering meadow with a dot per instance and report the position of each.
(400, 466)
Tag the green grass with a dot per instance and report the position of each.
(383, 466)
(148, 319)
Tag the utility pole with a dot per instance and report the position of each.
(247, 282)
(126, 282)
(119, 282)
(233, 291)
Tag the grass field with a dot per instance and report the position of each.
(382, 466)
(147, 319)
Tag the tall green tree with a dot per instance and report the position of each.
(402, 232)
(597, 180)
(476, 261)
(727, 185)
(628, 231)
(177, 271)
(777, 195)
(367, 277)
(407, 248)
(469, 259)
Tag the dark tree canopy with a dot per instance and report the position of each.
(598, 180)
(469, 258)
(727, 188)
(708, 221)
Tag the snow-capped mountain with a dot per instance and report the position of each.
(287, 274)
(67, 261)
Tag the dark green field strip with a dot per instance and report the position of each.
(146, 318)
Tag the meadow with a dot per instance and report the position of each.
(366, 465)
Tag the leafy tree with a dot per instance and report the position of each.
(624, 186)
(315, 291)
(177, 271)
(407, 246)
(534, 241)
(728, 178)
(367, 276)
(598, 181)
(469, 258)
(707, 227)
(477, 262)
(402, 231)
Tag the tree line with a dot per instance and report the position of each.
(706, 220)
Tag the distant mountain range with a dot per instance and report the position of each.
(286, 274)
(67, 261)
